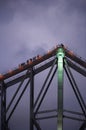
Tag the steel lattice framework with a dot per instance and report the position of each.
(59, 59)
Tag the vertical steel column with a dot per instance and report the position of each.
(3, 107)
(60, 55)
(31, 99)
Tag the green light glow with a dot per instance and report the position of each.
(60, 55)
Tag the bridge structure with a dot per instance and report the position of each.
(60, 59)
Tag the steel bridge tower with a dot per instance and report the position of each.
(59, 60)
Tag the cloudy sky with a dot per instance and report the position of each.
(30, 27)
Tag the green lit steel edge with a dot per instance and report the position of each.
(60, 52)
(60, 55)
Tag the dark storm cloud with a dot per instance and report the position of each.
(78, 5)
(6, 11)
(32, 7)
(27, 25)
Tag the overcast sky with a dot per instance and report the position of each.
(30, 27)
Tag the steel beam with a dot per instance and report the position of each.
(18, 100)
(31, 99)
(76, 67)
(75, 58)
(60, 55)
(75, 89)
(45, 91)
(3, 107)
(59, 51)
(36, 124)
(44, 84)
(36, 71)
(83, 126)
(19, 87)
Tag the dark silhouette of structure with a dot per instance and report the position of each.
(59, 58)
